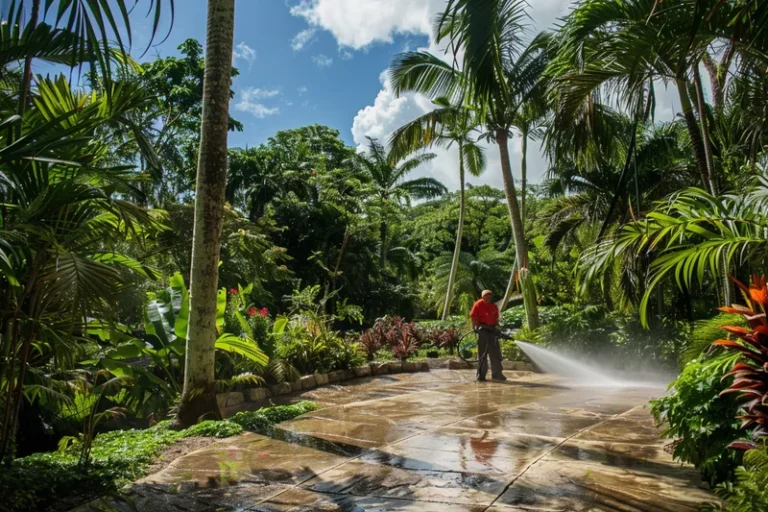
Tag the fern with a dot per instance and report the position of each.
(705, 332)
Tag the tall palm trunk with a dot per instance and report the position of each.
(706, 139)
(518, 234)
(459, 230)
(383, 228)
(198, 398)
(704, 126)
(337, 269)
(524, 171)
(693, 130)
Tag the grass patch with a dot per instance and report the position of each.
(55, 481)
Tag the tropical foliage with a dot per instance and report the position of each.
(328, 253)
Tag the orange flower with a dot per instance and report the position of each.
(758, 291)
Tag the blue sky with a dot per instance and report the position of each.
(321, 83)
(323, 61)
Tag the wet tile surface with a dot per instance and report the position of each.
(438, 441)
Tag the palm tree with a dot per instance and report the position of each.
(689, 234)
(389, 188)
(60, 214)
(473, 274)
(446, 125)
(583, 197)
(60, 231)
(498, 77)
(198, 399)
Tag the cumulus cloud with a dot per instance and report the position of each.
(244, 52)
(359, 23)
(322, 60)
(250, 102)
(303, 39)
(389, 112)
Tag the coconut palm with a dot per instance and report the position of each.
(498, 76)
(443, 127)
(389, 188)
(198, 399)
(621, 48)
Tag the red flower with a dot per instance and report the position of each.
(252, 311)
(233, 290)
(263, 311)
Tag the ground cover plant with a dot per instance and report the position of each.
(61, 480)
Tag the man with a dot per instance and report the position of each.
(485, 320)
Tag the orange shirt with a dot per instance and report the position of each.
(484, 313)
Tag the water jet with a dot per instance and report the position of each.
(578, 373)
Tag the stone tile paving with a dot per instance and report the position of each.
(437, 442)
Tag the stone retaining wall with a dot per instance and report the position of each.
(236, 398)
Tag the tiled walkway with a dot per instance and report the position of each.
(438, 442)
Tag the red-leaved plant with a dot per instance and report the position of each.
(406, 346)
(750, 377)
(371, 342)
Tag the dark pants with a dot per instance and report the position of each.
(486, 340)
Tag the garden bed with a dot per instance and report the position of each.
(59, 481)
(261, 396)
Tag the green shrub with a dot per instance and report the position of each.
(512, 318)
(261, 421)
(510, 351)
(749, 491)
(56, 481)
(701, 422)
(213, 428)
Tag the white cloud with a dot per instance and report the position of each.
(260, 94)
(322, 60)
(359, 23)
(303, 39)
(345, 54)
(244, 52)
(302, 90)
(249, 102)
(350, 22)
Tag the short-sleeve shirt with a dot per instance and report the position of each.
(485, 313)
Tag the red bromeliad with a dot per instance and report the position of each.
(750, 377)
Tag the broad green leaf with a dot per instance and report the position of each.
(244, 325)
(245, 347)
(221, 307)
(180, 301)
(155, 312)
(117, 368)
(126, 351)
(279, 326)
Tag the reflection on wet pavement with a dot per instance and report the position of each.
(437, 442)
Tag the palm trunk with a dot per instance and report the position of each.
(343, 249)
(704, 123)
(521, 249)
(383, 228)
(459, 230)
(704, 126)
(693, 130)
(524, 171)
(198, 399)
